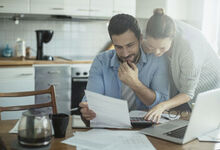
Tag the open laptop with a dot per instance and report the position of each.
(204, 118)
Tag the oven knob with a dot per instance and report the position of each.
(77, 73)
(85, 73)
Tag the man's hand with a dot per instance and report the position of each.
(128, 73)
(86, 112)
(155, 113)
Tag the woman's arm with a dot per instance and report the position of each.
(155, 113)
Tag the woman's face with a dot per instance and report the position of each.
(156, 46)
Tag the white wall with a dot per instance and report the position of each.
(71, 38)
(144, 8)
(195, 12)
(177, 9)
(190, 11)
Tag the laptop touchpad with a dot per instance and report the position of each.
(168, 126)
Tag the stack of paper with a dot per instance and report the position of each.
(103, 139)
(212, 136)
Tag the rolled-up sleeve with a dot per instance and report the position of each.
(160, 82)
(155, 76)
(95, 80)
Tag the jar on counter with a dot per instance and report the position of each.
(20, 48)
(28, 52)
(7, 52)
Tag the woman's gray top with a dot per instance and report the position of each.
(194, 66)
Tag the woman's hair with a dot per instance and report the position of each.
(160, 25)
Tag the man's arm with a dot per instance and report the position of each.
(145, 94)
(95, 84)
(128, 74)
(161, 81)
(158, 90)
(95, 80)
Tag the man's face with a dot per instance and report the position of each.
(126, 46)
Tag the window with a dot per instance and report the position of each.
(211, 23)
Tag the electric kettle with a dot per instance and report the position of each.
(34, 128)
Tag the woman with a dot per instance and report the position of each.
(194, 66)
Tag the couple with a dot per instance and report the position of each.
(165, 70)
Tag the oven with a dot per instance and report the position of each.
(80, 74)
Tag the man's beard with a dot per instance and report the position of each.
(136, 58)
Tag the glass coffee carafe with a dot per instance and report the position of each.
(34, 129)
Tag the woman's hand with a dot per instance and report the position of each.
(155, 113)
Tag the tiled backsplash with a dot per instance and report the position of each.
(83, 38)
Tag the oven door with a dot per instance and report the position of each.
(78, 87)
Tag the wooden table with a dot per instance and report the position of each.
(56, 144)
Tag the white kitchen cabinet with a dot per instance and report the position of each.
(78, 8)
(102, 8)
(55, 7)
(14, 6)
(93, 8)
(15, 79)
(124, 6)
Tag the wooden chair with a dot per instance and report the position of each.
(50, 91)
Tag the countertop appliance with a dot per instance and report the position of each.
(43, 36)
(34, 129)
(80, 74)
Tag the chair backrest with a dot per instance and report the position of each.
(50, 91)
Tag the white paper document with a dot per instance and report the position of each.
(77, 122)
(213, 136)
(15, 128)
(102, 139)
(110, 112)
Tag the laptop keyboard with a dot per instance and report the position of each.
(177, 133)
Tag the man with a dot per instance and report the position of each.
(127, 72)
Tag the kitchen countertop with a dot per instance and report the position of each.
(18, 61)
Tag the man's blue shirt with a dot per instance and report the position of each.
(152, 72)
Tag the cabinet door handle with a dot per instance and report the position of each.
(53, 72)
(57, 8)
(26, 74)
(1, 6)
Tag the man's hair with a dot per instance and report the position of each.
(121, 23)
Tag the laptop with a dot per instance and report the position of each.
(204, 118)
